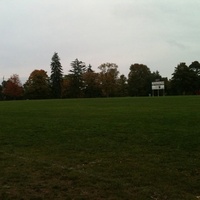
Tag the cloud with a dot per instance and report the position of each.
(152, 32)
(174, 43)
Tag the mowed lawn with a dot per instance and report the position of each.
(109, 148)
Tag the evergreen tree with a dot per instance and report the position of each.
(56, 76)
(76, 76)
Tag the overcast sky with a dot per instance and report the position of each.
(157, 33)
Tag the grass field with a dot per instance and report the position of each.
(114, 148)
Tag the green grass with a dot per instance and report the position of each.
(117, 148)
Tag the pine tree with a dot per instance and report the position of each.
(76, 74)
(56, 76)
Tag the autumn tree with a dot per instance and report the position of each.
(91, 83)
(12, 88)
(139, 80)
(67, 89)
(108, 79)
(76, 78)
(38, 85)
(56, 76)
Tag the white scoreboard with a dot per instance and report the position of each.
(159, 85)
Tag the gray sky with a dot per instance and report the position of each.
(157, 33)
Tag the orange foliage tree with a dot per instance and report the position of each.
(91, 83)
(108, 79)
(13, 88)
(38, 85)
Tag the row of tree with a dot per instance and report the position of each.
(83, 81)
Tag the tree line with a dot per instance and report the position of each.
(83, 82)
